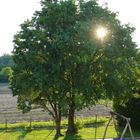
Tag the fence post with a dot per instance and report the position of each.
(30, 120)
(95, 125)
(5, 122)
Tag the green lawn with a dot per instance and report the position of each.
(45, 130)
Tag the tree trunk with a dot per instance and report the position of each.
(58, 127)
(58, 124)
(56, 114)
(71, 130)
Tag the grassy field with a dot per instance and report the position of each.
(45, 130)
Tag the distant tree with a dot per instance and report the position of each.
(6, 74)
(60, 63)
(6, 61)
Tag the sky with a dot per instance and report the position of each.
(15, 12)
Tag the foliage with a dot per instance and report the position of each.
(129, 105)
(6, 74)
(6, 61)
(129, 108)
(60, 62)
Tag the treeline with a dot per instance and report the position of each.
(6, 63)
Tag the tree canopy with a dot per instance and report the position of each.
(60, 61)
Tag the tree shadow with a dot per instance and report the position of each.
(24, 130)
(23, 134)
(49, 127)
(94, 124)
(57, 137)
(14, 129)
(20, 129)
(2, 131)
(73, 137)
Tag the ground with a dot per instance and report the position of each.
(9, 109)
(45, 130)
(11, 129)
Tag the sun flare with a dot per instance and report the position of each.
(101, 32)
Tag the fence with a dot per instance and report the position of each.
(92, 127)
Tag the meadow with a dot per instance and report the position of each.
(88, 130)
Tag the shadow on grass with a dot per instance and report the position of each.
(11, 129)
(23, 131)
(48, 127)
(23, 134)
(23, 127)
(94, 124)
(75, 137)
(14, 129)
(2, 131)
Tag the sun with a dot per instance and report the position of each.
(101, 32)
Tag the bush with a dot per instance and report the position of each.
(5, 74)
(130, 108)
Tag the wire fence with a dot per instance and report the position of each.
(14, 119)
(92, 127)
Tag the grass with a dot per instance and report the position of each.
(45, 130)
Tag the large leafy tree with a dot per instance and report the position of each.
(62, 66)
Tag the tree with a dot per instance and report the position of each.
(109, 63)
(128, 107)
(6, 61)
(6, 74)
(60, 62)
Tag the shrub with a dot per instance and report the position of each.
(5, 74)
(130, 108)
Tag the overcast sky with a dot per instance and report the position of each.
(14, 12)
